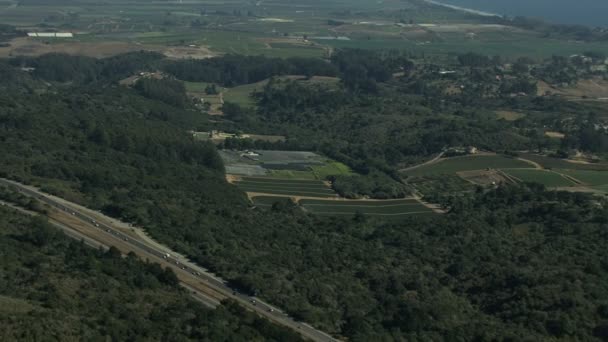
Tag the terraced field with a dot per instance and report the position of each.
(388, 208)
(285, 187)
(545, 177)
(468, 163)
(440, 183)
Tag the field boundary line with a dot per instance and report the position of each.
(536, 165)
(371, 214)
(364, 206)
(436, 159)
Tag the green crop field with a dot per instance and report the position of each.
(440, 184)
(588, 177)
(196, 87)
(292, 174)
(513, 45)
(545, 177)
(371, 208)
(555, 163)
(330, 168)
(241, 95)
(468, 163)
(280, 186)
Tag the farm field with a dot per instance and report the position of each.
(509, 45)
(292, 174)
(555, 163)
(286, 187)
(283, 165)
(386, 208)
(588, 177)
(468, 163)
(330, 168)
(429, 185)
(547, 178)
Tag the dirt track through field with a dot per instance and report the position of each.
(536, 165)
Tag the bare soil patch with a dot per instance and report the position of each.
(595, 88)
(24, 46)
(509, 115)
(557, 135)
(181, 52)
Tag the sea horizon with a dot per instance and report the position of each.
(582, 12)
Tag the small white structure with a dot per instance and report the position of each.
(51, 34)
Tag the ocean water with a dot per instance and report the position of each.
(584, 12)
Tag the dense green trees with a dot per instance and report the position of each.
(499, 266)
(233, 70)
(56, 288)
(167, 90)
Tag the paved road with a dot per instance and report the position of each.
(208, 288)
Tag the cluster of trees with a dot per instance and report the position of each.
(231, 70)
(362, 70)
(59, 67)
(588, 137)
(167, 90)
(359, 69)
(55, 286)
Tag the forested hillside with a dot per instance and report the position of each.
(53, 288)
(511, 263)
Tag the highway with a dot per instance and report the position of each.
(205, 287)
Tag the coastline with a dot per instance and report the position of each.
(463, 9)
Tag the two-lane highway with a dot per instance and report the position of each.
(208, 287)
